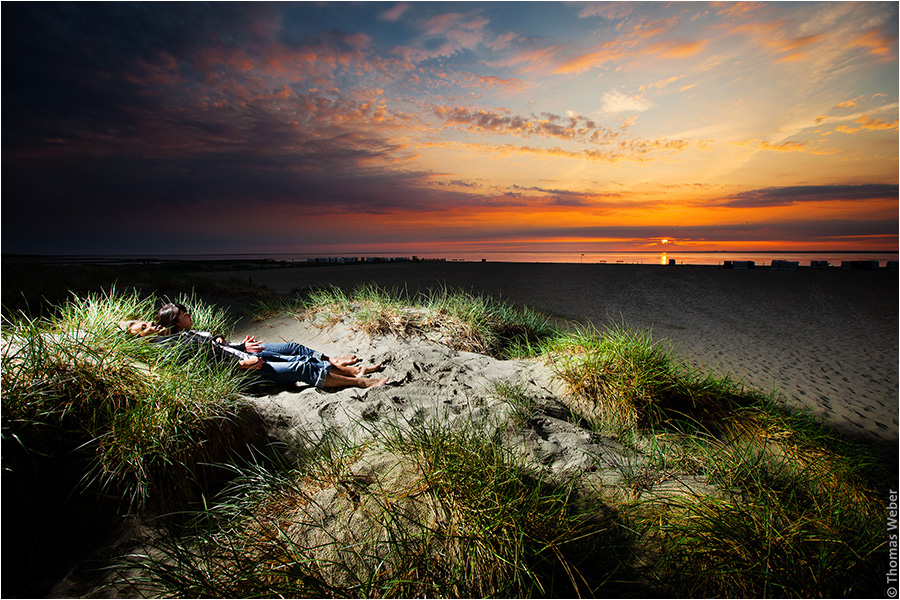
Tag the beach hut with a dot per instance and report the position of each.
(860, 265)
(785, 265)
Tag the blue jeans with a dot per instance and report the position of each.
(291, 362)
(289, 351)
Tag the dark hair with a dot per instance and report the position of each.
(168, 315)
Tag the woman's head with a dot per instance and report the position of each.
(175, 317)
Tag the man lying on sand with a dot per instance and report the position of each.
(307, 366)
(175, 318)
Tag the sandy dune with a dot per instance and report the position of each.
(430, 383)
(826, 338)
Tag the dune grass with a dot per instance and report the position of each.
(73, 382)
(430, 511)
(798, 509)
(789, 508)
(459, 319)
(626, 380)
(780, 527)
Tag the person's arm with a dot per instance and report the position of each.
(252, 346)
(252, 363)
(248, 345)
(204, 343)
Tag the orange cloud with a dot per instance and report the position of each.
(619, 49)
(770, 34)
(662, 83)
(876, 42)
(793, 47)
(868, 124)
(792, 146)
(607, 53)
(785, 146)
(678, 49)
(848, 103)
(737, 10)
(633, 150)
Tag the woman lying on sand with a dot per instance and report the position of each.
(311, 367)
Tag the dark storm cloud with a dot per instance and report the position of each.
(67, 66)
(801, 194)
(118, 112)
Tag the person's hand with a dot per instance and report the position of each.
(252, 346)
(253, 363)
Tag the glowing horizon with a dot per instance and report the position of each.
(295, 127)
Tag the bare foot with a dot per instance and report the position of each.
(344, 361)
(339, 380)
(359, 371)
(372, 369)
(367, 383)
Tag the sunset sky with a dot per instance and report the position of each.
(425, 127)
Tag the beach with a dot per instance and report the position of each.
(823, 339)
(826, 339)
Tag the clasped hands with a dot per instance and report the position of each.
(252, 346)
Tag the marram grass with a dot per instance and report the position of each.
(797, 510)
(138, 418)
(773, 531)
(459, 319)
(433, 511)
(787, 509)
(625, 380)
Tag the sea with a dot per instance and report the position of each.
(834, 258)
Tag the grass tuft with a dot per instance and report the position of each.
(463, 321)
(435, 511)
(136, 417)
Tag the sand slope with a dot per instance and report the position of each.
(825, 338)
(428, 381)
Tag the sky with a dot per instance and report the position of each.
(430, 127)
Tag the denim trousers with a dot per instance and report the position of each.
(291, 362)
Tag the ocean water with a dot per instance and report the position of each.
(647, 258)
(681, 258)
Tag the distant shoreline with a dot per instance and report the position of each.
(650, 257)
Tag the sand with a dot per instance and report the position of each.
(433, 385)
(826, 339)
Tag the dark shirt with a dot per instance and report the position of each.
(191, 343)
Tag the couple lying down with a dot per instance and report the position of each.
(284, 364)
